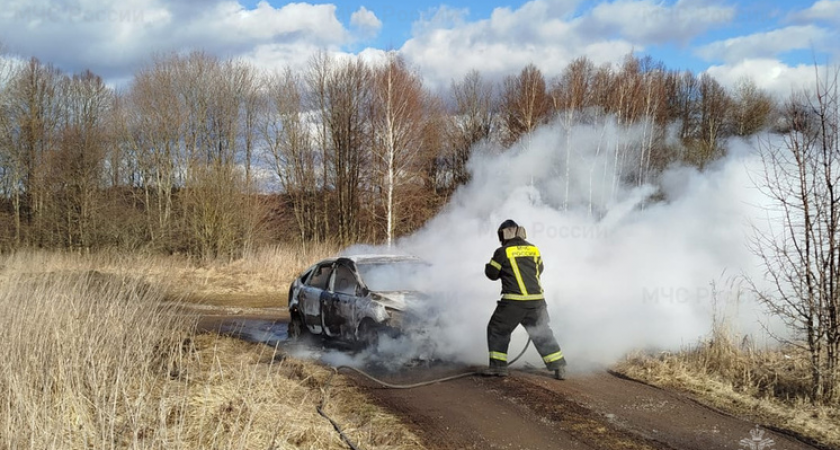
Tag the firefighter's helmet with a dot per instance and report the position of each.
(509, 230)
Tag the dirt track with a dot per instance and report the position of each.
(595, 411)
(530, 410)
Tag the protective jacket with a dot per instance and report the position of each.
(518, 263)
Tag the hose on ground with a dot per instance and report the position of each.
(424, 383)
(404, 386)
(336, 426)
(328, 384)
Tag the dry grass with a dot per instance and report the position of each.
(768, 385)
(259, 280)
(93, 358)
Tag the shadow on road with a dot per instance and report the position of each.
(271, 332)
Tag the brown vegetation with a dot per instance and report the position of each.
(182, 160)
(93, 358)
(770, 386)
(802, 179)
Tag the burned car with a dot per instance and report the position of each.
(355, 298)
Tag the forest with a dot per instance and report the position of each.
(209, 157)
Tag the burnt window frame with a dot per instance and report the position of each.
(314, 275)
(351, 271)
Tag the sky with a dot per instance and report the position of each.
(776, 43)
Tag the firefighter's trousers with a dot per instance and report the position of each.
(531, 314)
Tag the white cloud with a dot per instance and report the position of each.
(279, 56)
(366, 22)
(823, 10)
(542, 32)
(653, 22)
(771, 43)
(772, 75)
(114, 39)
(300, 21)
(551, 33)
(442, 17)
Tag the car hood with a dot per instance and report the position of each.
(399, 300)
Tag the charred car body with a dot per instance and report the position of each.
(355, 298)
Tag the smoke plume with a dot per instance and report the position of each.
(629, 265)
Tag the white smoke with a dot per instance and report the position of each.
(623, 271)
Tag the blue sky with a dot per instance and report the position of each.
(774, 43)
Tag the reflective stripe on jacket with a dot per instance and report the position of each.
(518, 264)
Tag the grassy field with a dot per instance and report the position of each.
(96, 355)
(728, 372)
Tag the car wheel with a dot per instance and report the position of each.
(368, 333)
(297, 331)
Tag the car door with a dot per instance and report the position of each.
(311, 295)
(338, 309)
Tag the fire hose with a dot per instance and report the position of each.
(327, 385)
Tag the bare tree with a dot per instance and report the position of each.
(471, 122)
(570, 94)
(683, 107)
(398, 124)
(341, 94)
(153, 126)
(233, 97)
(193, 117)
(219, 214)
(751, 108)
(525, 103)
(286, 132)
(76, 170)
(654, 110)
(802, 260)
(714, 111)
(7, 159)
(627, 94)
(573, 90)
(437, 180)
(34, 115)
(187, 128)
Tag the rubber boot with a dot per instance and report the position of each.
(559, 369)
(497, 369)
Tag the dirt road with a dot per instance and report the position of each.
(529, 410)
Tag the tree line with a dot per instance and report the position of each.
(177, 160)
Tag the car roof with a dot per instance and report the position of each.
(373, 259)
(382, 259)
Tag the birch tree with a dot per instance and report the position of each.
(398, 124)
(525, 103)
(471, 121)
(751, 108)
(570, 94)
(714, 111)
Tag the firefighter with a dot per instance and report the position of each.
(518, 264)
